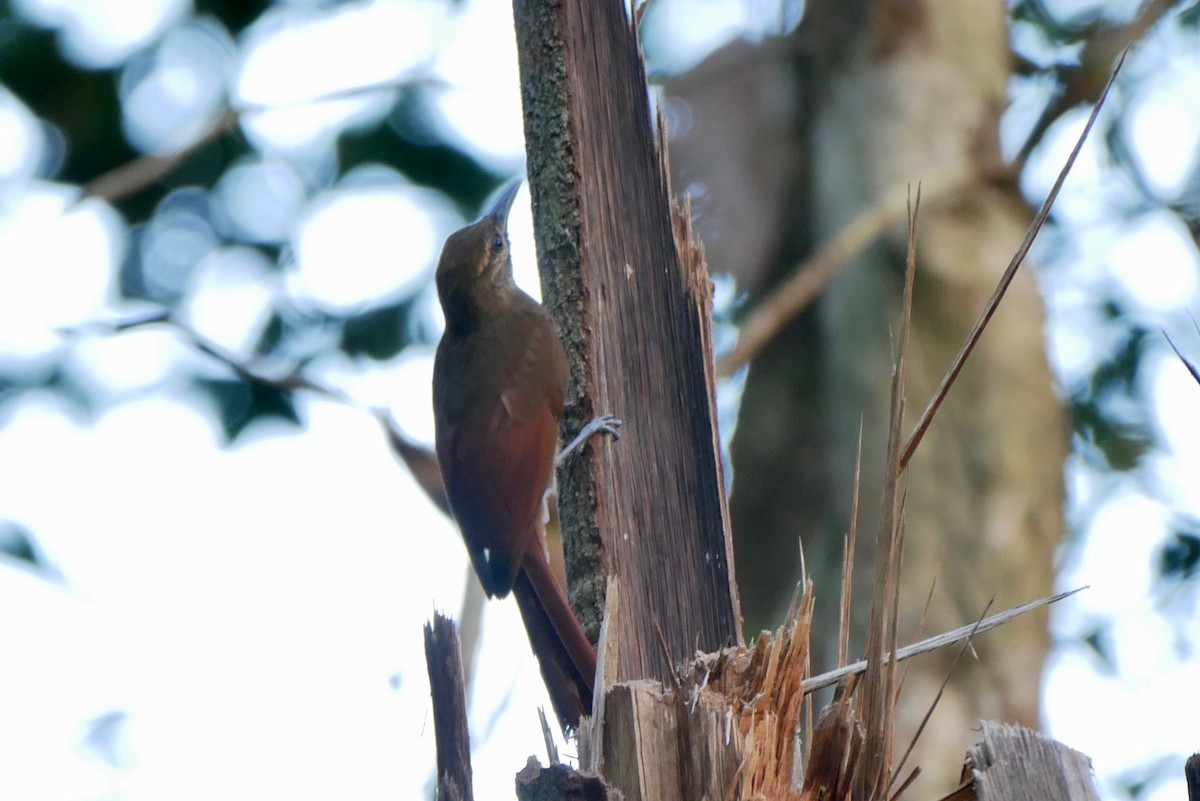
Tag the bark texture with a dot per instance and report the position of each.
(630, 292)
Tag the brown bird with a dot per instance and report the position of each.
(498, 384)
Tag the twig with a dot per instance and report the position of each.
(921, 627)
(134, 176)
(443, 661)
(937, 698)
(419, 459)
(848, 548)
(1080, 81)
(939, 641)
(548, 737)
(912, 777)
(287, 382)
(1191, 368)
(877, 696)
(811, 275)
(1005, 280)
(139, 173)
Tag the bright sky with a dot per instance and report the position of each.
(257, 611)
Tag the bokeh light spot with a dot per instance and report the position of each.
(372, 237)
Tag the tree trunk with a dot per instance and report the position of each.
(631, 294)
(886, 93)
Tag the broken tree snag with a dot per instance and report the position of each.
(443, 661)
(1012, 763)
(670, 744)
(560, 783)
(1191, 771)
(724, 728)
(649, 509)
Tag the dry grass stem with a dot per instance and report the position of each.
(938, 641)
(937, 698)
(1010, 272)
(848, 551)
(1191, 368)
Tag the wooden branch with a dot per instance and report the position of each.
(134, 176)
(630, 294)
(139, 173)
(1012, 763)
(444, 664)
(809, 277)
(938, 641)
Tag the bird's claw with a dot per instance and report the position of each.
(604, 423)
(607, 424)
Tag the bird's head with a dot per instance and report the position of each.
(475, 270)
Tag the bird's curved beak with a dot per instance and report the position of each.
(503, 205)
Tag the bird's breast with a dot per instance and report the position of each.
(505, 372)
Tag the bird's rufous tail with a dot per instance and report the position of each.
(566, 657)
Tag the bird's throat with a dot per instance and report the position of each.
(471, 307)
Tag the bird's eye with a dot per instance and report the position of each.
(497, 242)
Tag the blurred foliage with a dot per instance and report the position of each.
(82, 117)
(1063, 30)
(240, 402)
(1148, 777)
(1110, 429)
(1180, 557)
(380, 333)
(407, 141)
(1113, 407)
(1189, 15)
(1099, 641)
(80, 110)
(81, 106)
(17, 543)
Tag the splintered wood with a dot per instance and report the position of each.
(728, 728)
(765, 701)
(1012, 763)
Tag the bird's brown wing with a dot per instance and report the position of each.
(496, 442)
(498, 473)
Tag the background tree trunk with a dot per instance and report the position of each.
(864, 98)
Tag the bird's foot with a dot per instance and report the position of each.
(603, 424)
